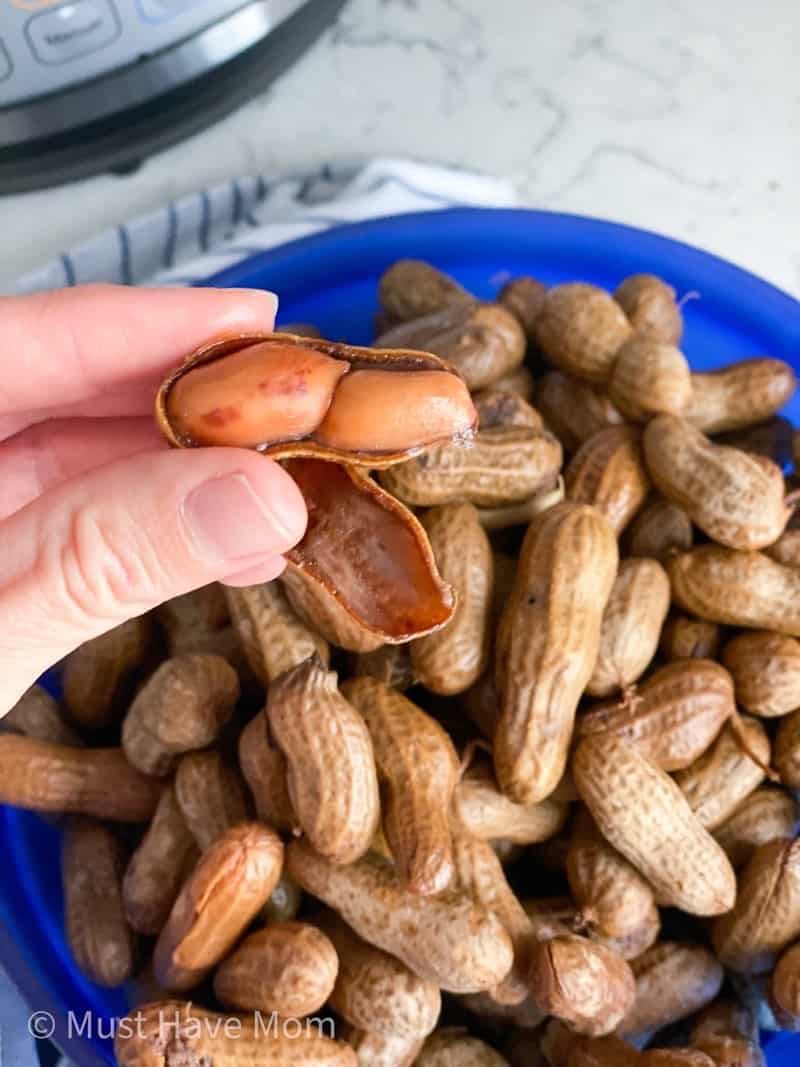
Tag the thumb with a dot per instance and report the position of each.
(122, 538)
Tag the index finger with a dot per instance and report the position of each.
(61, 348)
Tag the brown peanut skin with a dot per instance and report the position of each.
(157, 868)
(380, 1050)
(98, 674)
(659, 528)
(613, 898)
(737, 588)
(787, 750)
(785, 984)
(651, 308)
(547, 645)
(766, 672)
(418, 771)
(264, 768)
(650, 378)
(289, 968)
(724, 775)
(444, 939)
(98, 935)
(453, 658)
(727, 1032)
(183, 706)
(673, 981)
(740, 395)
(632, 621)
(581, 982)
(44, 776)
(484, 812)
(375, 991)
(210, 794)
(36, 714)
(684, 637)
(331, 773)
(232, 881)
(762, 816)
(457, 1049)
(608, 472)
(195, 1036)
(734, 497)
(273, 638)
(411, 288)
(673, 718)
(644, 815)
(766, 916)
(580, 329)
(573, 410)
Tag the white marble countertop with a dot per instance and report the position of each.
(680, 117)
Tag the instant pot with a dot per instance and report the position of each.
(92, 85)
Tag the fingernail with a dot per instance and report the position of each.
(226, 521)
(265, 293)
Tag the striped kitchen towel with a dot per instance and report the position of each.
(205, 232)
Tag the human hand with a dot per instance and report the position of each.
(99, 519)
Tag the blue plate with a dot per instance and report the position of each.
(331, 280)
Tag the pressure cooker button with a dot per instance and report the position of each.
(72, 30)
(5, 63)
(157, 10)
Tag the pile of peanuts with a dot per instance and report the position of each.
(501, 772)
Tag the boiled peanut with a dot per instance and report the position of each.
(157, 868)
(390, 664)
(485, 812)
(648, 378)
(772, 438)
(444, 939)
(522, 1048)
(651, 308)
(331, 771)
(524, 297)
(289, 968)
(264, 768)
(658, 529)
(762, 816)
(418, 771)
(612, 896)
(457, 1049)
(737, 588)
(785, 985)
(496, 407)
(378, 1050)
(766, 915)
(573, 410)
(739, 395)
(411, 288)
(482, 705)
(734, 497)
(284, 901)
(98, 936)
(645, 816)
(608, 472)
(523, 513)
(558, 1043)
(547, 645)
(637, 940)
(675, 715)
(273, 638)
(191, 620)
(717, 782)
(598, 1052)
(684, 637)
(787, 750)
(210, 794)
(675, 1057)
(36, 714)
(673, 981)
(452, 659)
(727, 1032)
(632, 621)
(580, 329)
(504, 465)
(500, 1016)
(376, 992)
(233, 879)
(766, 672)
(183, 706)
(483, 341)
(479, 873)
(99, 673)
(169, 1032)
(45, 776)
(585, 984)
(786, 549)
(519, 381)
